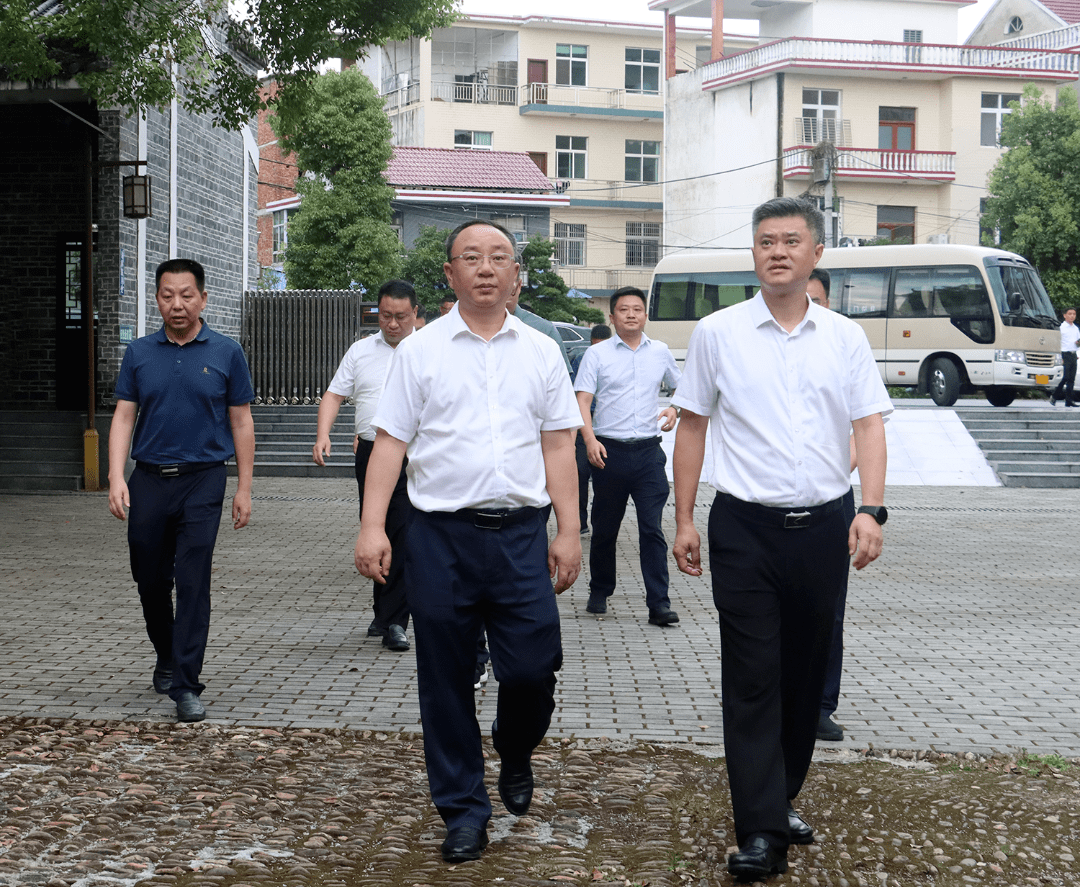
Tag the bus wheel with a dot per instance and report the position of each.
(999, 396)
(944, 382)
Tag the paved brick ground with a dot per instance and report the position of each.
(964, 637)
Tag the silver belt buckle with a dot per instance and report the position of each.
(796, 520)
(169, 470)
(488, 521)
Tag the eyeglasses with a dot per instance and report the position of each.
(389, 318)
(475, 260)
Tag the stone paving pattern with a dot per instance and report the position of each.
(963, 637)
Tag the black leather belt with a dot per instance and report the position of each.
(493, 518)
(783, 518)
(640, 442)
(176, 468)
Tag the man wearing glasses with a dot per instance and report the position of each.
(484, 408)
(361, 375)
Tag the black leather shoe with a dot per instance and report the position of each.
(799, 832)
(597, 604)
(828, 730)
(189, 708)
(757, 861)
(663, 616)
(162, 678)
(395, 639)
(464, 843)
(375, 631)
(516, 787)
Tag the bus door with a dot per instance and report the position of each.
(863, 296)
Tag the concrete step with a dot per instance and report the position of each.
(1057, 457)
(993, 445)
(291, 468)
(40, 482)
(1040, 480)
(1028, 466)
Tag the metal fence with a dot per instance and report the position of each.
(294, 339)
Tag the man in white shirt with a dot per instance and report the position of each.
(484, 407)
(361, 375)
(782, 382)
(624, 374)
(1070, 335)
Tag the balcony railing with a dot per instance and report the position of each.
(1059, 38)
(811, 130)
(397, 99)
(474, 93)
(1036, 64)
(874, 163)
(604, 279)
(589, 97)
(603, 189)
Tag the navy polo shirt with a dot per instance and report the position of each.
(183, 393)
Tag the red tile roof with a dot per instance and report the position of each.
(1067, 10)
(466, 169)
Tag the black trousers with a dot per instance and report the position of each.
(584, 472)
(172, 529)
(775, 590)
(462, 579)
(1065, 386)
(389, 601)
(830, 697)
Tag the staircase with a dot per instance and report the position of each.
(1028, 448)
(42, 450)
(284, 436)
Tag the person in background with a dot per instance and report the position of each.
(1070, 336)
(597, 334)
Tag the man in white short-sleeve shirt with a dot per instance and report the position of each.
(484, 407)
(782, 382)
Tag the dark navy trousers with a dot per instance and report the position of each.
(631, 470)
(584, 472)
(172, 528)
(388, 601)
(775, 591)
(460, 579)
(830, 698)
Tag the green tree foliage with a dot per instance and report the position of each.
(122, 52)
(547, 291)
(1034, 190)
(423, 266)
(340, 237)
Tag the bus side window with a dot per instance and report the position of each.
(706, 300)
(960, 295)
(670, 298)
(863, 291)
(912, 295)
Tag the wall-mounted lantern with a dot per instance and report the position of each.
(137, 197)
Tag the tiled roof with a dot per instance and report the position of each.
(1067, 10)
(468, 169)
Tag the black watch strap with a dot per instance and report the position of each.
(878, 512)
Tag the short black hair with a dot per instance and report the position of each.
(490, 224)
(782, 207)
(823, 277)
(448, 296)
(600, 332)
(626, 291)
(398, 289)
(181, 266)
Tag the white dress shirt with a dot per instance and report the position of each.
(780, 404)
(361, 376)
(626, 384)
(1070, 335)
(472, 411)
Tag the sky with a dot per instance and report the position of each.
(638, 11)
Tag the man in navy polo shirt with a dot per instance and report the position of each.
(191, 391)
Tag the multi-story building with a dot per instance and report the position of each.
(583, 98)
(895, 131)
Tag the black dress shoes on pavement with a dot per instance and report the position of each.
(663, 616)
(189, 708)
(375, 631)
(757, 861)
(799, 831)
(516, 787)
(162, 678)
(395, 639)
(597, 604)
(464, 843)
(828, 730)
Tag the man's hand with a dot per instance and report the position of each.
(321, 450)
(564, 560)
(372, 555)
(864, 540)
(119, 499)
(687, 549)
(670, 415)
(597, 452)
(241, 509)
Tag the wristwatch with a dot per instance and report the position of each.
(878, 512)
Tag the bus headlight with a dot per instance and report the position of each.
(1010, 356)
(1058, 361)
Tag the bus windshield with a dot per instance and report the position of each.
(1020, 296)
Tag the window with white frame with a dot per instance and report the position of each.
(820, 115)
(467, 138)
(643, 71)
(995, 105)
(702, 55)
(642, 161)
(569, 244)
(514, 224)
(281, 233)
(642, 244)
(571, 64)
(1015, 26)
(570, 154)
(912, 35)
(896, 223)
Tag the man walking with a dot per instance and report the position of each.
(598, 333)
(190, 390)
(361, 375)
(1070, 336)
(782, 382)
(484, 407)
(624, 374)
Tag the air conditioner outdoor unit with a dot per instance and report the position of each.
(561, 185)
(938, 238)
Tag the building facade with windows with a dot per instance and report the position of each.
(894, 132)
(584, 99)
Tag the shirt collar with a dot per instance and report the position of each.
(761, 315)
(201, 336)
(457, 324)
(645, 340)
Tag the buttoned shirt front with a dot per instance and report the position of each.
(625, 383)
(361, 376)
(1070, 336)
(471, 412)
(780, 404)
